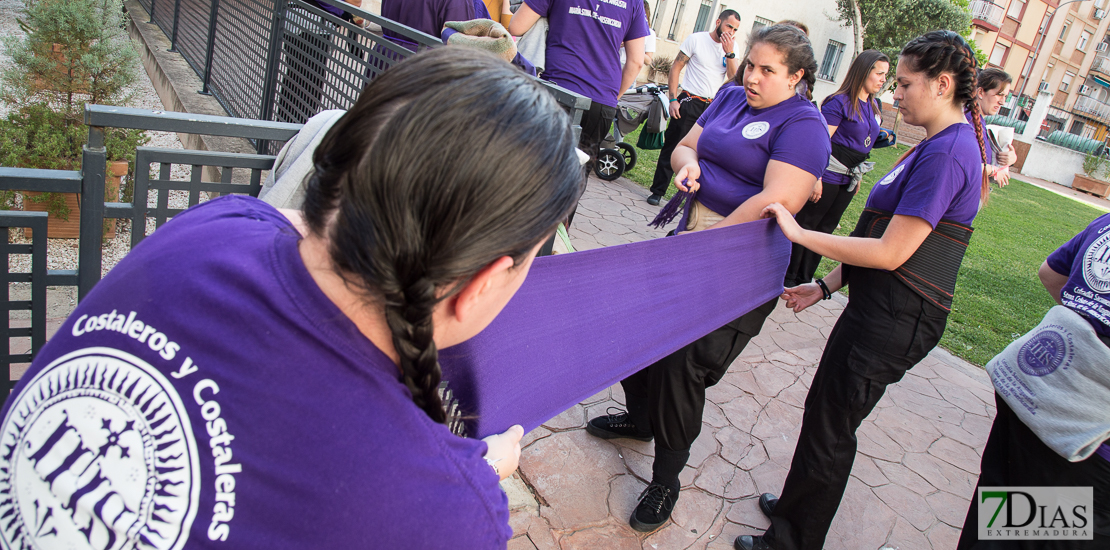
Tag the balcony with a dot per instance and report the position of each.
(1101, 65)
(1092, 108)
(986, 14)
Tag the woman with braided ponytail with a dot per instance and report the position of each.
(902, 260)
(285, 391)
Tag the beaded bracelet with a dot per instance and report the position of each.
(825, 294)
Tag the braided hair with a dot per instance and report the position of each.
(797, 52)
(447, 161)
(939, 52)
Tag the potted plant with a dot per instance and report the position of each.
(71, 52)
(659, 69)
(1093, 179)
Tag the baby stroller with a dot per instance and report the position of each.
(643, 103)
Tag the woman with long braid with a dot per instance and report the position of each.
(901, 260)
(254, 378)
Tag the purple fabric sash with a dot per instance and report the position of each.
(583, 321)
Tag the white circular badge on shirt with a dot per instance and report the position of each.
(893, 174)
(1096, 265)
(756, 129)
(98, 453)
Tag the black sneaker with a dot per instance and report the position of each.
(654, 200)
(656, 503)
(749, 542)
(767, 502)
(615, 425)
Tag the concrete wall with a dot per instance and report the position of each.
(1053, 163)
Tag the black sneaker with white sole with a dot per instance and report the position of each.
(615, 425)
(656, 503)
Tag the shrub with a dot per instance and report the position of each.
(659, 66)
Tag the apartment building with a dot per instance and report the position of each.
(1054, 47)
(674, 20)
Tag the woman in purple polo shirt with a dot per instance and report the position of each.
(1014, 455)
(255, 378)
(754, 145)
(990, 93)
(902, 260)
(853, 118)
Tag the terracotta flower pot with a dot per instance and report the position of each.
(1095, 187)
(70, 228)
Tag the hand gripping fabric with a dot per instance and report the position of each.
(583, 321)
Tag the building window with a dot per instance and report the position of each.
(998, 54)
(1028, 66)
(701, 24)
(1100, 4)
(831, 63)
(1064, 31)
(760, 22)
(1065, 82)
(1016, 7)
(1083, 39)
(658, 23)
(676, 19)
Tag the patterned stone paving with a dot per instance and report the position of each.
(910, 487)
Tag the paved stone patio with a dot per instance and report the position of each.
(910, 487)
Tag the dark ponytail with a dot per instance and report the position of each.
(448, 161)
(939, 52)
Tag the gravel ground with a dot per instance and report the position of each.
(62, 253)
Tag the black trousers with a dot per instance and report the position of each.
(668, 397)
(306, 59)
(595, 126)
(822, 216)
(1016, 457)
(885, 330)
(689, 110)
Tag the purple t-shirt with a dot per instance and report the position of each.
(207, 394)
(427, 16)
(854, 131)
(939, 179)
(986, 139)
(1085, 259)
(737, 141)
(584, 40)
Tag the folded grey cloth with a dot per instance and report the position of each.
(284, 186)
(533, 45)
(855, 173)
(1056, 378)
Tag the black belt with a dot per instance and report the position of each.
(932, 269)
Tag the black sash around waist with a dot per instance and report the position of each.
(849, 157)
(931, 270)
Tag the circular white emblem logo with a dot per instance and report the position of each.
(1096, 265)
(97, 452)
(893, 174)
(867, 141)
(756, 129)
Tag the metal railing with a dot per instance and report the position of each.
(1092, 107)
(987, 12)
(1101, 64)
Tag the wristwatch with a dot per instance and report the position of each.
(730, 55)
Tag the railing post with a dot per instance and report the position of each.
(273, 61)
(151, 11)
(94, 161)
(176, 16)
(211, 44)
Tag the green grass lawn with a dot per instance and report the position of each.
(998, 295)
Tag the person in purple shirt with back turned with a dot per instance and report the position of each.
(1077, 276)
(852, 115)
(902, 261)
(254, 378)
(753, 146)
(583, 53)
(427, 16)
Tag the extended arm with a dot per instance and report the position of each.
(634, 60)
(902, 238)
(522, 20)
(1053, 282)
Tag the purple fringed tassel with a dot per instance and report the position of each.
(671, 209)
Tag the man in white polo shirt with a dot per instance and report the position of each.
(709, 58)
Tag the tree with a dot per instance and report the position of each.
(886, 25)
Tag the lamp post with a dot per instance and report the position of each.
(1040, 42)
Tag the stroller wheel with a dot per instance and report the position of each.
(610, 164)
(629, 154)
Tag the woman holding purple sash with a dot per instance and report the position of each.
(852, 114)
(754, 145)
(902, 261)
